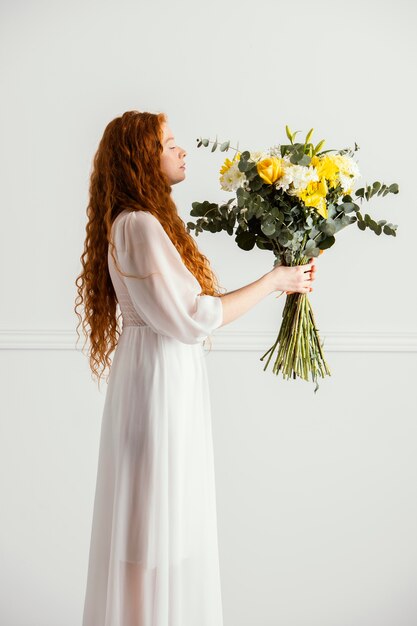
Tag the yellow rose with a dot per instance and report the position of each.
(270, 169)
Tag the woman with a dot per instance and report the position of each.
(154, 555)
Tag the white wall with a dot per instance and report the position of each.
(316, 493)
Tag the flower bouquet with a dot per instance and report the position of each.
(292, 200)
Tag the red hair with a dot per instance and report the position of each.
(126, 174)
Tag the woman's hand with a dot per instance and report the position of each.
(295, 279)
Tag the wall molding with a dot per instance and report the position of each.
(224, 340)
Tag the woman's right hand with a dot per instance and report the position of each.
(297, 278)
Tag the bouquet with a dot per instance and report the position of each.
(292, 200)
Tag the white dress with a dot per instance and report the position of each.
(153, 557)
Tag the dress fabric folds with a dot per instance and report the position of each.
(153, 557)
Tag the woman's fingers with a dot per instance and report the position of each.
(304, 275)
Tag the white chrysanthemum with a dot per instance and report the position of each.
(232, 178)
(347, 165)
(275, 150)
(297, 175)
(348, 171)
(257, 155)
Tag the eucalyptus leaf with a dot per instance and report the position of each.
(347, 207)
(327, 242)
(328, 227)
(268, 226)
(245, 240)
(304, 160)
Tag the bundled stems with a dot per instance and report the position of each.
(299, 350)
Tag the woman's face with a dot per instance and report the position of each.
(172, 157)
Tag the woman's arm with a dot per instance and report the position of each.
(282, 278)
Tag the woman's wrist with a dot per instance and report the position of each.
(270, 281)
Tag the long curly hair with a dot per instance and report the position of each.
(126, 174)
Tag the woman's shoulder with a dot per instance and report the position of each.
(140, 216)
(141, 223)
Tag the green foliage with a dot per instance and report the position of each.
(376, 188)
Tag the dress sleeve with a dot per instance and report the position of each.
(167, 297)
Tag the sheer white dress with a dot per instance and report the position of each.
(153, 558)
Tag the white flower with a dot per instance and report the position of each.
(347, 165)
(232, 178)
(348, 171)
(257, 155)
(296, 175)
(275, 150)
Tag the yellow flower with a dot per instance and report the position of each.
(327, 167)
(270, 169)
(228, 163)
(314, 195)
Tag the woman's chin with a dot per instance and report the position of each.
(179, 179)
(183, 175)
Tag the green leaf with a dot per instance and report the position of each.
(225, 145)
(348, 207)
(308, 136)
(393, 188)
(289, 133)
(242, 197)
(344, 221)
(319, 146)
(268, 226)
(245, 240)
(389, 229)
(243, 165)
(331, 210)
(257, 183)
(205, 142)
(305, 160)
(298, 157)
(328, 227)
(327, 243)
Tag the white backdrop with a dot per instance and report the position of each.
(317, 505)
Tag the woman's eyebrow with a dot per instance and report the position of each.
(168, 139)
